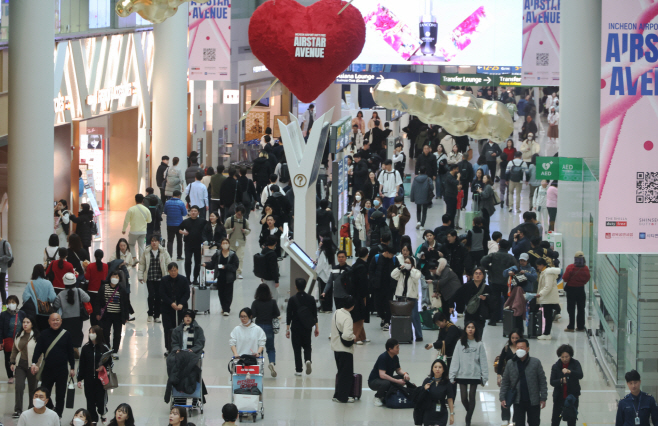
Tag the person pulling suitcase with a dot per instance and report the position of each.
(342, 343)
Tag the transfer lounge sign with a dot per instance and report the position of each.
(480, 80)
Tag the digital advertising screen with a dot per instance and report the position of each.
(451, 32)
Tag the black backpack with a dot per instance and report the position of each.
(569, 410)
(285, 173)
(516, 173)
(347, 280)
(260, 266)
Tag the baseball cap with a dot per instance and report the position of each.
(524, 256)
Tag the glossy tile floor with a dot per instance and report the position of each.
(306, 400)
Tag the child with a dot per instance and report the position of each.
(492, 245)
(460, 198)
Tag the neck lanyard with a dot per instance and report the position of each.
(639, 403)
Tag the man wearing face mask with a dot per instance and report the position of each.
(525, 381)
(39, 414)
(56, 345)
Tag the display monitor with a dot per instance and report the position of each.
(451, 32)
(302, 255)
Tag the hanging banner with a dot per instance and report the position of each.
(209, 52)
(541, 43)
(628, 177)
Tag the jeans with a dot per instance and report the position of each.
(576, 299)
(172, 232)
(437, 187)
(415, 320)
(112, 320)
(269, 343)
(301, 339)
(558, 404)
(344, 375)
(532, 411)
(381, 386)
(225, 293)
(421, 213)
(153, 298)
(192, 250)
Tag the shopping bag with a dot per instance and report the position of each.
(70, 394)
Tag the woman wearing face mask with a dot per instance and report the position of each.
(81, 418)
(178, 416)
(88, 368)
(469, 367)
(213, 232)
(112, 309)
(360, 224)
(436, 392)
(371, 187)
(95, 274)
(123, 416)
(225, 263)
(10, 325)
(70, 302)
(247, 338)
(566, 375)
(508, 352)
(21, 356)
(408, 278)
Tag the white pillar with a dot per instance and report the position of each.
(580, 49)
(170, 89)
(31, 134)
(330, 98)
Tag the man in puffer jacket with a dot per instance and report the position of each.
(495, 264)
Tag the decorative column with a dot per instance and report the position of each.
(169, 90)
(31, 134)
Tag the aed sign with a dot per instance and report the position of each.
(310, 45)
(547, 168)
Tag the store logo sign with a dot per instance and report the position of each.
(104, 97)
(62, 103)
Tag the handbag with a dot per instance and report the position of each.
(44, 308)
(43, 361)
(70, 394)
(474, 304)
(442, 354)
(402, 308)
(112, 380)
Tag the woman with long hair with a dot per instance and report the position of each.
(373, 119)
(57, 270)
(123, 416)
(408, 288)
(62, 221)
(21, 358)
(478, 182)
(95, 274)
(122, 251)
(84, 223)
(508, 352)
(225, 262)
(38, 289)
(78, 255)
(371, 187)
(436, 394)
(359, 121)
(360, 225)
(213, 231)
(266, 311)
(70, 302)
(269, 228)
(469, 367)
(51, 252)
(112, 308)
(178, 415)
(90, 362)
(442, 160)
(326, 255)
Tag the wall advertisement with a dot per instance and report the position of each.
(209, 51)
(628, 177)
(541, 43)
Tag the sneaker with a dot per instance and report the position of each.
(350, 400)
(418, 225)
(272, 370)
(298, 373)
(240, 277)
(115, 356)
(131, 318)
(556, 317)
(569, 330)
(366, 341)
(158, 320)
(225, 314)
(180, 259)
(422, 228)
(10, 381)
(419, 339)
(385, 327)
(505, 424)
(510, 209)
(378, 402)
(150, 318)
(16, 415)
(359, 342)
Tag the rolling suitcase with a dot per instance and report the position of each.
(401, 329)
(346, 244)
(357, 386)
(200, 299)
(534, 324)
(508, 322)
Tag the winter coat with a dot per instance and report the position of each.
(412, 282)
(361, 224)
(360, 173)
(177, 336)
(183, 371)
(394, 210)
(421, 190)
(458, 257)
(10, 324)
(83, 226)
(540, 197)
(174, 180)
(360, 291)
(174, 290)
(213, 238)
(230, 192)
(190, 173)
(489, 149)
(495, 264)
(429, 162)
(466, 292)
(175, 210)
(575, 276)
(448, 283)
(145, 263)
(216, 182)
(547, 292)
(487, 200)
(160, 173)
(516, 302)
(90, 358)
(528, 149)
(534, 373)
(226, 275)
(573, 379)
(261, 170)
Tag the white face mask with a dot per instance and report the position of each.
(358, 198)
(114, 280)
(78, 422)
(521, 353)
(398, 205)
(407, 266)
(12, 306)
(92, 336)
(38, 403)
(225, 246)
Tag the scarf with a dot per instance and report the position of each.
(190, 335)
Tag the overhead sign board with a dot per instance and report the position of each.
(372, 78)
(480, 80)
(495, 70)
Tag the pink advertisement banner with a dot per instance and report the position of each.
(628, 185)
(541, 43)
(209, 52)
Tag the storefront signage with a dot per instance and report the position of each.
(209, 26)
(62, 103)
(104, 97)
(494, 70)
(310, 45)
(480, 80)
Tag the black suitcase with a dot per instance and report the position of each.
(534, 324)
(401, 329)
(508, 322)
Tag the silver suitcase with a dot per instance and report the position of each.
(200, 300)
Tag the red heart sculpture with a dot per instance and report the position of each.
(272, 36)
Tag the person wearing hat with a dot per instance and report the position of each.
(68, 304)
(188, 336)
(575, 277)
(529, 283)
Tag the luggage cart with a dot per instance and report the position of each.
(247, 377)
(197, 397)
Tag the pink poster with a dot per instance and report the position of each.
(541, 43)
(209, 53)
(628, 185)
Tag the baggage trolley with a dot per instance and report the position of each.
(179, 399)
(247, 377)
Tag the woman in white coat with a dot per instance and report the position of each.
(553, 123)
(359, 214)
(539, 202)
(547, 294)
(247, 338)
(408, 288)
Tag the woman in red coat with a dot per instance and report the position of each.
(509, 149)
(575, 277)
(95, 274)
(58, 268)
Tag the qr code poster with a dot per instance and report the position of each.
(209, 25)
(541, 41)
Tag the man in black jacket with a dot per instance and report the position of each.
(380, 284)
(192, 229)
(466, 176)
(247, 185)
(229, 192)
(272, 266)
(429, 161)
(159, 175)
(458, 256)
(495, 263)
(174, 295)
(55, 371)
(491, 151)
(324, 220)
(451, 188)
(360, 172)
(301, 317)
(281, 207)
